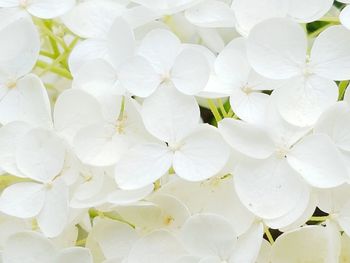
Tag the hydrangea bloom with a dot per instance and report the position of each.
(177, 131)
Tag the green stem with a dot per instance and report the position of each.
(342, 88)
(59, 71)
(330, 19)
(319, 218)
(222, 108)
(269, 236)
(214, 110)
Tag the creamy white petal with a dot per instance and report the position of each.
(120, 42)
(277, 48)
(50, 8)
(69, 119)
(155, 247)
(318, 160)
(268, 188)
(53, 217)
(190, 72)
(216, 234)
(19, 48)
(330, 54)
(40, 155)
(93, 19)
(246, 138)
(344, 16)
(23, 200)
(169, 114)
(10, 134)
(28, 247)
(160, 47)
(251, 12)
(139, 77)
(114, 238)
(142, 165)
(74, 255)
(28, 102)
(201, 155)
(211, 13)
(306, 11)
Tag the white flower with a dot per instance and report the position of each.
(212, 238)
(41, 8)
(196, 152)
(162, 60)
(277, 49)
(28, 247)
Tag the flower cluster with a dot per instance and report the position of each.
(174, 131)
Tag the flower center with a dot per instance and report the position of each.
(247, 90)
(23, 3)
(281, 152)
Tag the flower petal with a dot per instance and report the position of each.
(306, 11)
(216, 234)
(50, 8)
(169, 115)
(318, 160)
(74, 255)
(40, 155)
(330, 54)
(202, 155)
(23, 200)
(247, 138)
(142, 165)
(277, 48)
(190, 72)
(268, 188)
(28, 247)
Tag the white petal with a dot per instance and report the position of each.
(232, 64)
(160, 47)
(139, 77)
(69, 118)
(155, 247)
(100, 145)
(93, 19)
(248, 244)
(190, 72)
(306, 11)
(114, 238)
(98, 78)
(335, 122)
(74, 255)
(142, 165)
(19, 48)
(268, 188)
(201, 155)
(251, 12)
(211, 13)
(167, 6)
(28, 102)
(318, 160)
(302, 212)
(9, 3)
(53, 217)
(50, 8)
(124, 197)
(209, 194)
(250, 107)
(169, 115)
(306, 244)
(86, 50)
(330, 54)
(344, 17)
(216, 234)
(277, 48)
(247, 138)
(10, 134)
(120, 42)
(28, 247)
(23, 200)
(302, 101)
(40, 155)
(344, 218)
